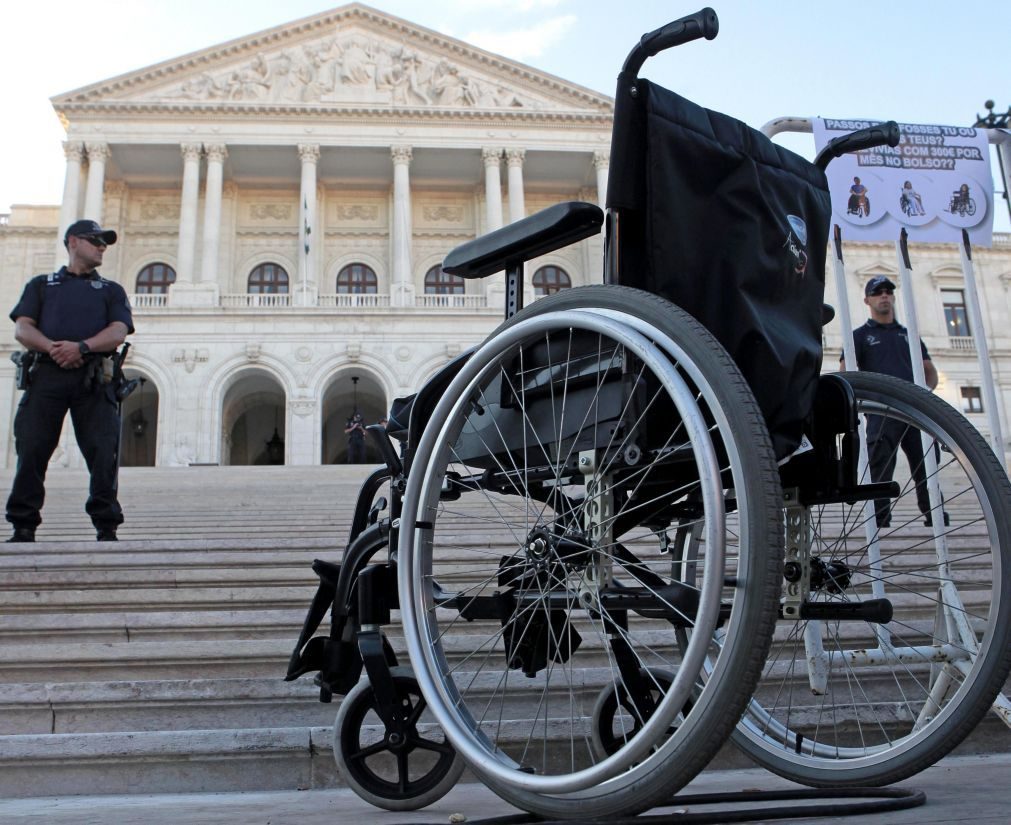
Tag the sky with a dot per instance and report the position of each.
(914, 61)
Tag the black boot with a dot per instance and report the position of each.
(22, 534)
(106, 534)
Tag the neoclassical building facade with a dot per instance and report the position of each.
(284, 201)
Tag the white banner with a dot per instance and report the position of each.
(936, 183)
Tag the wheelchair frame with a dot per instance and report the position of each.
(361, 592)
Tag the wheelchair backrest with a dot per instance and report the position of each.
(731, 227)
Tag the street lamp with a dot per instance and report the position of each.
(137, 421)
(992, 120)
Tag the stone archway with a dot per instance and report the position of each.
(339, 399)
(253, 420)
(138, 443)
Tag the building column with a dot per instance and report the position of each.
(188, 213)
(517, 204)
(493, 187)
(402, 288)
(74, 152)
(305, 289)
(601, 163)
(187, 290)
(216, 155)
(98, 154)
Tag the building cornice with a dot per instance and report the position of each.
(352, 115)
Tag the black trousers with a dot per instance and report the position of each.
(356, 450)
(95, 414)
(885, 436)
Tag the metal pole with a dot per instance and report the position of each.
(916, 357)
(982, 351)
(996, 126)
(871, 531)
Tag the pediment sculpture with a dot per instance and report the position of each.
(352, 69)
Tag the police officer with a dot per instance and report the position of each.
(70, 321)
(882, 345)
(355, 430)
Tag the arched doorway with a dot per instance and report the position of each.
(340, 398)
(253, 420)
(138, 443)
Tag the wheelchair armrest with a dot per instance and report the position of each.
(543, 232)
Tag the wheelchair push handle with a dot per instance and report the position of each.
(703, 23)
(881, 135)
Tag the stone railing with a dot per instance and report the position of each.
(148, 301)
(451, 301)
(962, 343)
(249, 299)
(351, 302)
(355, 300)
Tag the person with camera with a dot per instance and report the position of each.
(355, 431)
(71, 322)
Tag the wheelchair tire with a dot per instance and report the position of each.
(500, 573)
(896, 696)
(388, 775)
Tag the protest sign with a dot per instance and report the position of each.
(936, 183)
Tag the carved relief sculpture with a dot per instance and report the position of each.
(352, 68)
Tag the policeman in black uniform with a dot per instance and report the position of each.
(882, 345)
(70, 322)
(355, 430)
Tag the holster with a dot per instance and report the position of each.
(24, 363)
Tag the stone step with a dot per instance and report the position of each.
(71, 601)
(154, 705)
(53, 628)
(115, 661)
(166, 761)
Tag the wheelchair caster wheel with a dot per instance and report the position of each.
(615, 718)
(389, 770)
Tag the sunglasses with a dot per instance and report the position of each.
(94, 240)
(883, 290)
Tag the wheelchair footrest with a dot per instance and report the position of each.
(878, 611)
(849, 495)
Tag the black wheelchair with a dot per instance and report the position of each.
(635, 521)
(961, 203)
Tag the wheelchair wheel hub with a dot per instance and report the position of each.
(833, 576)
(544, 549)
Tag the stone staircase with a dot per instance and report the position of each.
(156, 664)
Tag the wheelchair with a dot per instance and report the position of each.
(962, 204)
(619, 528)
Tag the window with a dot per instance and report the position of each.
(357, 278)
(438, 282)
(972, 399)
(155, 279)
(550, 279)
(268, 279)
(955, 316)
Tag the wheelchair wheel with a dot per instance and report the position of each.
(858, 702)
(617, 717)
(397, 776)
(535, 555)
(970, 207)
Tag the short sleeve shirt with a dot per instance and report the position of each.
(69, 307)
(884, 348)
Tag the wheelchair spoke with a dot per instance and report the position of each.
(898, 692)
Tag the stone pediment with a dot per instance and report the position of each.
(352, 57)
